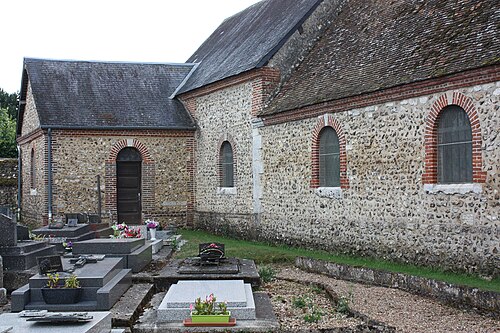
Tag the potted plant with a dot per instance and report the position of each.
(57, 293)
(152, 225)
(208, 311)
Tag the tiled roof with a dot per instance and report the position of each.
(81, 94)
(247, 40)
(373, 45)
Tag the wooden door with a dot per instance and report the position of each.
(128, 186)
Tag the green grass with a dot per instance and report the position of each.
(266, 254)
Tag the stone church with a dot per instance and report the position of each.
(354, 126)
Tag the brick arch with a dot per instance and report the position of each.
(430, 139)
(323, 121)
(231, 141)
(147, 177)
(117, 147)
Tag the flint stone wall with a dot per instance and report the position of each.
(385, 213)
(8, 182)
(79, 157)
(224, 115)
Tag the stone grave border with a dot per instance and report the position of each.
(454, 295)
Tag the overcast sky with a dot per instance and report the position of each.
(109, 30)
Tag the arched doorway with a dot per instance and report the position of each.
(128, 185)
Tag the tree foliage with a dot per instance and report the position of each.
(9, 102)
(7, 134)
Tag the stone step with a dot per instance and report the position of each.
(66, 232)
(140, 258)
(22, 247)
(126, 311)
(26, 260)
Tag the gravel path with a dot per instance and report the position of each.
(405, 311)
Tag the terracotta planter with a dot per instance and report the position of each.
(61, 295)
(210, 318)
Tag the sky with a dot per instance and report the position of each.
(106, 30)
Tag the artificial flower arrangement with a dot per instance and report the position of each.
(208, 306)
(124, 231)
(68, 246)
(151, 224)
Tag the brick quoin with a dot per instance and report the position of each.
(430, 138)
(331, 122)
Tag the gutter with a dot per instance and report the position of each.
(49, 176)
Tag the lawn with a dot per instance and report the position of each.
(266, 254)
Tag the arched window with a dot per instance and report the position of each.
(32, 169)
(226, 165)
(329, 158)
(454, 146)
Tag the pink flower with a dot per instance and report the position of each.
(191, 307)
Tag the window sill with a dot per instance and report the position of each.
(33, 191)
(329, 192)
(226, 190)
(453, 188)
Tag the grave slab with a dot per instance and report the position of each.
(108, 246)
(177, 270)
(102, 285)
(100, 323)
(238, 295)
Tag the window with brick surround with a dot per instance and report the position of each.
(454, 146)
(226, 166)
(329, 158)
(32, 169)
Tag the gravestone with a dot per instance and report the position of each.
(49, 264)
(215, 267)
(237, 294)
(8, 231)
(103, 282)
(19, 254)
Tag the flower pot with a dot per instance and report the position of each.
(61, 295)
(210, 318)
(153, 233)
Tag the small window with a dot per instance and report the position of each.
(454, 146)
(329, 158)
(32, 169)
(227, 165)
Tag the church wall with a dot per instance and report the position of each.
(224, 115)
(80, 156)
(384, 211)
(33, 196)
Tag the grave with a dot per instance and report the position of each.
(19, 254)
(194, 269)
(102, 282)
(100, 322)
(136, 252)
(57, 236)
(237, 294)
